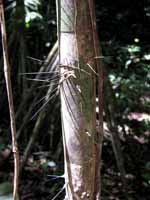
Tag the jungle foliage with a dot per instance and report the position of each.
(124, 38)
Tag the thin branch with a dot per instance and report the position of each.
(46, 102)
(62, 189)
(10, 102)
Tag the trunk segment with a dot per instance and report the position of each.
(78, 100)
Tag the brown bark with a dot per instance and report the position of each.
(76, 34)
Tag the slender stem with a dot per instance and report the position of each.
(99, 73)
(10, 102)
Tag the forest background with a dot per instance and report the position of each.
(124, 31)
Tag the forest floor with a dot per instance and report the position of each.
(38, 180)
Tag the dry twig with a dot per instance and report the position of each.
(10, 102)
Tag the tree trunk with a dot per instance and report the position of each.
(78, 70)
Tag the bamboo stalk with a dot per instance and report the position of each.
(7, 75)
(82, 145)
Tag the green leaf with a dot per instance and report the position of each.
(5, 188)
(147, 166)
(6, 197)
(146, 176)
